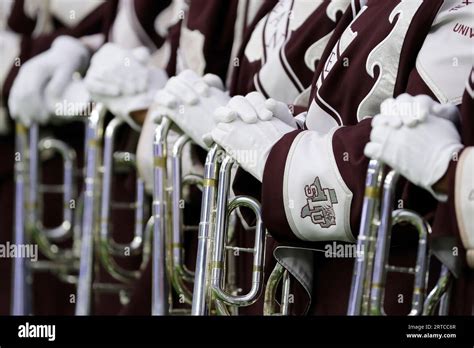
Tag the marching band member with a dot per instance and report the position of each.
(423, 145)
(278, 55)
(32, 28)
(43, 82)
(314, 178)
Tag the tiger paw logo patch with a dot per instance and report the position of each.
(320, 202)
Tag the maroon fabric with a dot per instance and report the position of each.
(146, 12)
(467, 112)
(316, 26)
(445, 222)
(173, 41)
(354, 77)
(215, 19)
(18, 21)
(6, 235)
(272, 189)
(349, 141)
(251, 68)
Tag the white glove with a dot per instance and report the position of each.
(121, 80)
(421, 153)
(413, 110)
(42, 80)
(116, 71)
(250, 143)
(190, 101)
(253, 107)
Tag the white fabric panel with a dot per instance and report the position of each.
(72, 12)
(275, 81)
(170, 16)
(191, 52)
(9, 50)
(464, 201)
(447, 54)
(319, 120)
(127, 30)
(316, 199)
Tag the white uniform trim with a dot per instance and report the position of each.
(446, 56)
(72, 12)
(317, 201)
(464, 201)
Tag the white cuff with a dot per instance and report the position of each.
(317, 201)
(464, 201)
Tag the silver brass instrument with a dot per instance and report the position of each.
(223, 210)
(21, 285)
(160, 284)
(29, 228)
(210, 288)
(180, 274)
(200, 305)
(90, 216)
(373, 244)
(97, 243)
(108, 246)
(169, 270)
(279, 274)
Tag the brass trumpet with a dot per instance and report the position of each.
(169, 270)
(29, 228)
(108, 246)
(21, 285)
(210, 288)
(97, 243)
(371, 266)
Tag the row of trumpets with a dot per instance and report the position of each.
(211, 288)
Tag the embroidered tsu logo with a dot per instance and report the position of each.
(320, 204)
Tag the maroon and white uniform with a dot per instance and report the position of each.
(280, 43)
(129, 23)
(315, 178)
(453, 227)
(25, 19)
(202, 39)
(38, 23)
(278, 58)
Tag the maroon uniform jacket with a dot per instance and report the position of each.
(446, 231)
(391, 47)
(276, 39)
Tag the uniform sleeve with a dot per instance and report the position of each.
(454, 219)
(313, 184)
(463, 192)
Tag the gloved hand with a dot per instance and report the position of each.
(116, 71)
(189, 101)
(121, 80)
(249, 137)
(254, 107)
(42, 80)
(413, 110)
(420, 153)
